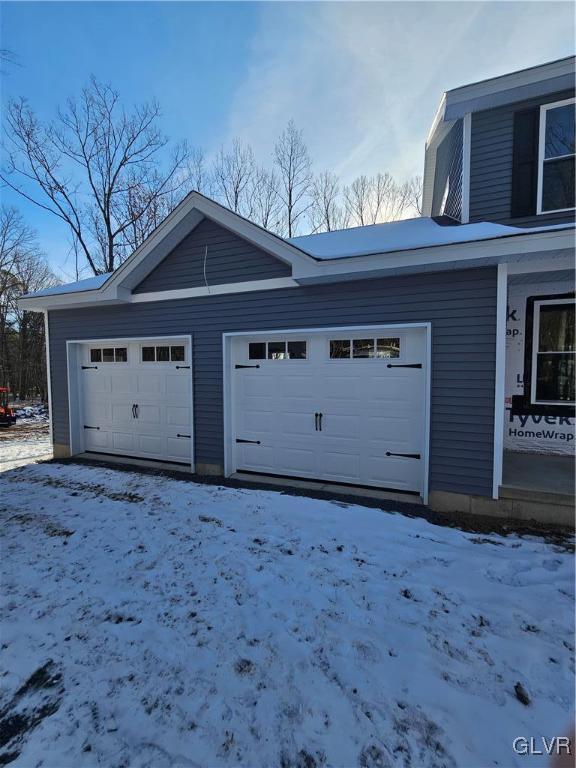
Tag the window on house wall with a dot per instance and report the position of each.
(556, 166)
(553, 352)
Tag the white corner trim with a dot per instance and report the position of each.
(499, 387)
(48, 376)
(466, 149)
(215, 290)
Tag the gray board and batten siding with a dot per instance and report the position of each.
(460, 305)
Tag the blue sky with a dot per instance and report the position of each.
(362, 80)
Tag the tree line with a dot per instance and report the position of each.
(111, 176)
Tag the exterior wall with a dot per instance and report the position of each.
(461, 305)
(229, 260)
(491, 164)
(535, 432)
(449, 175)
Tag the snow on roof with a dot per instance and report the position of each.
(391, 236)
(89, 284)
(404, 235)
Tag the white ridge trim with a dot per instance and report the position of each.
(203, 290)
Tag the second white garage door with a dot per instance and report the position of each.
(347, 407)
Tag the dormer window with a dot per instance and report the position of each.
(556, 158)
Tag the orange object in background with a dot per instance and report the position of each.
(7, 415)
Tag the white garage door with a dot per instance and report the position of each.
(135, 399)
(340, 406)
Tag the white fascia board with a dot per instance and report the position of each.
(249, 286)
(507, 82)
(445, 256)
(511, 248)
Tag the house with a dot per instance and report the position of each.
(432, 356)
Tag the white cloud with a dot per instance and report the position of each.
(363, 79)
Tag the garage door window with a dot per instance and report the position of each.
(163, 354)
(109, 355)
(345, 349)
(277, 350)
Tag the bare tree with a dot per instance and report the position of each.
(23, 269)
(357, 201)
(295, 172)
(415, 187)
(232, 174)
(326, 212)
(86, 166)
(197, 174)
(375, 199)
(265, 203)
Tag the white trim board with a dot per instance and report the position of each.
(76, 433)
(466, 153)
(500, 378)
(215, 290)
(48, 376)
(228, 337)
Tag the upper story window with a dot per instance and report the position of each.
(556, 158)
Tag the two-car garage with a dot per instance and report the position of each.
(343, 405)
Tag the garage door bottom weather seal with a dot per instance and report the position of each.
(138, 458)
(329, 482)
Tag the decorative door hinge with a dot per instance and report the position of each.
(246, 366)
(405, 455)
(404, 365)
(188, 436)
(255, 442)
(86, 367)
(182, 366)
(87, 427)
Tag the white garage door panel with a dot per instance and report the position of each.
(161, 426)
(370, 407)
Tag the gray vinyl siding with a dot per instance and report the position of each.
(461, 305)
(491, 164)
(229, 259)
(449, 172)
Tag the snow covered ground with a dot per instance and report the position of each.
(26, 441)
(154, 622)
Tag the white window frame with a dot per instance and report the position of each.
(535, 344)
(544, 109)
